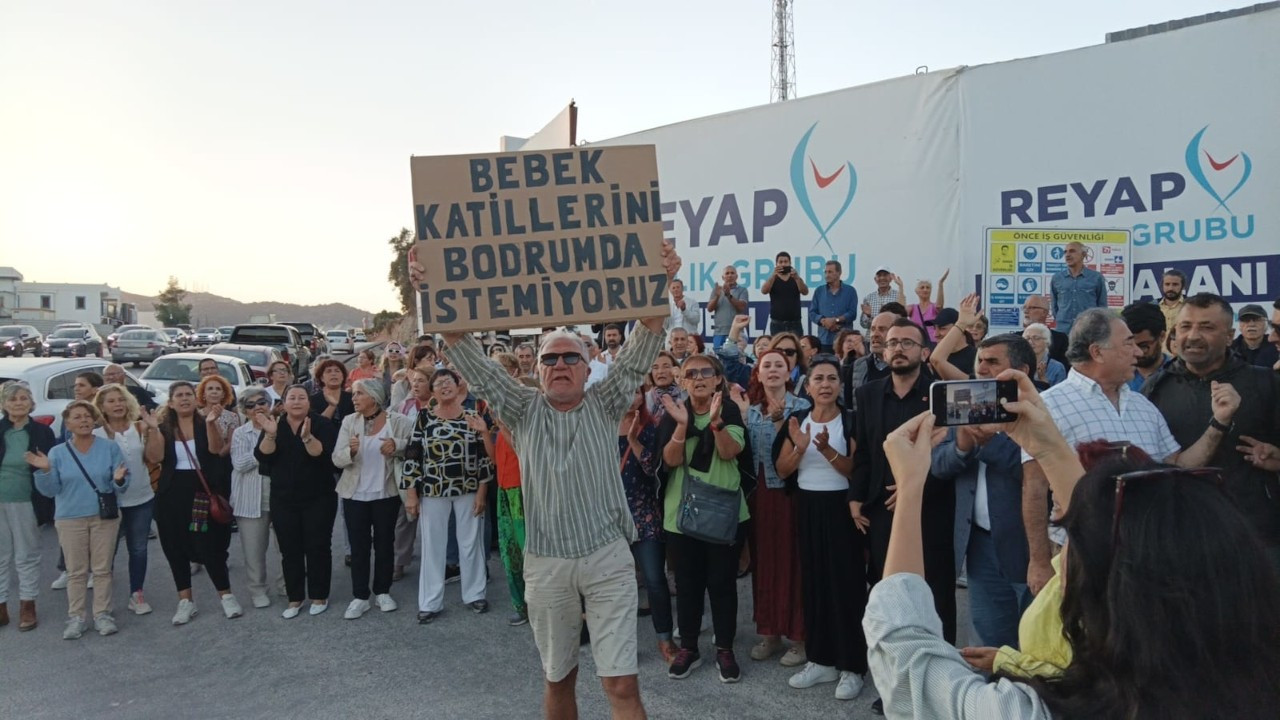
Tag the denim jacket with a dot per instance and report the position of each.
(761, 431)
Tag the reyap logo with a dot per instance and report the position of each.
(800, 185)
(1030, 252)
(1195, 165)
(1221, 179)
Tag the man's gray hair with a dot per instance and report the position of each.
(1092, 327)
(563, 335)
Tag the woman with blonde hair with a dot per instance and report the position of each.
(137, 434)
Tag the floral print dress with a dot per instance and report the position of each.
(640, 481)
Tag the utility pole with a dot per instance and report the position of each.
(783, 66)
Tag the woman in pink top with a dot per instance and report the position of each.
(925, 311)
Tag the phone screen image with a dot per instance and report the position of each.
(971, 402)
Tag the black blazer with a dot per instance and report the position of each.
(1058, 342)
(216, 468)
(39, 437)
(870, 466)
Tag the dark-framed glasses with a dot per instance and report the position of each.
(905, 344)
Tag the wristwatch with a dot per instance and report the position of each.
(1224, 429)
(717, 425)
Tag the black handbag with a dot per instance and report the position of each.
(108, 503)
(708, 513)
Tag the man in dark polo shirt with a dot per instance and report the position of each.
(784, 288)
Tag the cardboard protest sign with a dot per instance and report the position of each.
(538, 239)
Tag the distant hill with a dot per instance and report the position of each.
(210, 309)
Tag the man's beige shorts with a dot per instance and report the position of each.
(607, 580)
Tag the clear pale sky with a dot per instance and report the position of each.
(260, 150)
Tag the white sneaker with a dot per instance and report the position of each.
(261, 601)
(356, 609)
(317, 609)
(138, 604)
(231, 607)
(291, 612)
(186, 611)
(385, 602)
(60, 582)
(813, 674)
(74, 629)
(89, 583)
(105, 625)
(849, 686)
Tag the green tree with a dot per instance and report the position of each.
(399, 272)
(385, 320)
(170, 310)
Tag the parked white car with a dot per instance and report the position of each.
(53, 380)
(340, 341)
(186, 366)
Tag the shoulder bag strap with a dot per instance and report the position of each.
(84, 472)
(182, 440)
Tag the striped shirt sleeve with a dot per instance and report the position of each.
(508, 398)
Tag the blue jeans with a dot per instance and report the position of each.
(995, 604)
(650, 556)
(718, 340)
(135, 525)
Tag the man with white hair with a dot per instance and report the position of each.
(577, 522)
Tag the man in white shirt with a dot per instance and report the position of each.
(685, 312)
(1096, 403)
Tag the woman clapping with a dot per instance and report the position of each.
(370, 443)
(295, 451)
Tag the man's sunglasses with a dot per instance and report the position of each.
(706, 372)
(570, 358)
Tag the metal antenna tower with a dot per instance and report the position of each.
(783, 67)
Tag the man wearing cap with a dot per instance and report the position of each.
(883, 295)
(833, 306)
(1076, 289)
(1252, 343)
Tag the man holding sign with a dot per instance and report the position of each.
(552, 238)
(577, 522)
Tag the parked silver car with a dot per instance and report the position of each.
(139, 346)
(53, 382)
(186, 366)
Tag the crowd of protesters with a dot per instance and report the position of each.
(1120, 540)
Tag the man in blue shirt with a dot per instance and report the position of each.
(834, 307)
(1076, 289)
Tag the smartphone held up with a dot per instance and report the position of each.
(971, 402)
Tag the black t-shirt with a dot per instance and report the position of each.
(784, 299)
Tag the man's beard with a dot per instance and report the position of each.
(1172, 295)
(1148, 362)
(612, 345)
(907, 369)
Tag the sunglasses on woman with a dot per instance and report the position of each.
(706, 372)
(260, 402)
(1163, 474)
